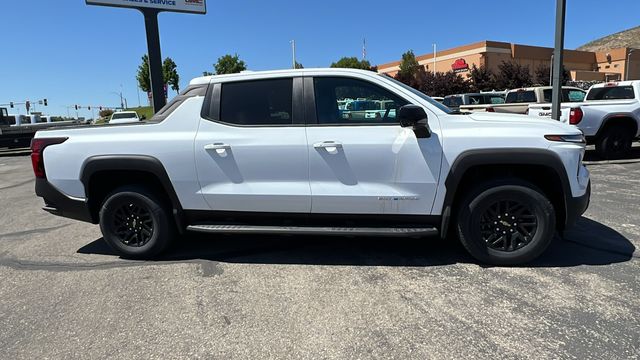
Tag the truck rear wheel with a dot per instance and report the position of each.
(135, 223)
(506, 222)
(614, 142)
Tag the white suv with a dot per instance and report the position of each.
(122, 117)
(272, 152)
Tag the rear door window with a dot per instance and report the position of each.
(257, 102)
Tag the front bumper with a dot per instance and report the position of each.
(576, 206)
(60, 204)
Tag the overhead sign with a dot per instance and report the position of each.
(187, 6)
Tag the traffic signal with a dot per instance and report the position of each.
(89, 108)
(76, 107)
(100, 108)
(45, 102)
(11, 104)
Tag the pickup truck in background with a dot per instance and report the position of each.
(517, 100)
(18, 130)
(609, 117)
(454, 102)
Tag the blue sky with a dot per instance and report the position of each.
(71, 53)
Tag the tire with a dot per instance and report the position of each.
(491, 237)
(614, 142)
(135, 223)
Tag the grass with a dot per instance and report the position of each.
(143, 111)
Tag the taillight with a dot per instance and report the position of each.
(575, 116)
(37, 148)
(490, 109)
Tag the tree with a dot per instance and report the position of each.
(542, 75)
(170, 74)
(299, 66)
(352, 63)
(412, 73)
(105, 113)
(229, 64)
(512, 75)
(143, 77)
(482, 79)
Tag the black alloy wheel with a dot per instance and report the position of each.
(133, 224)
(508, 225)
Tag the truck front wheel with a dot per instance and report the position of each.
(614, 142)
(136, 223)
(506, 222)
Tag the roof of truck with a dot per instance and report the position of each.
(247, 75)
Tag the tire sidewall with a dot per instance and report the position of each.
(474, 206)
(161, 230)
(605, 145)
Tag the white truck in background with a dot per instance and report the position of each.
(517, 101)
(609, 117)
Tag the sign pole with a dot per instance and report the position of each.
(155, 57)
(556, 96)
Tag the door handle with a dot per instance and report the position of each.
(329, 145)
(217, 146)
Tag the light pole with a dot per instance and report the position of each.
(293, 51)
(121, 99)
(626, 75)
(434, 59)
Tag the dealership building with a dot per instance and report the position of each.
(607, 65)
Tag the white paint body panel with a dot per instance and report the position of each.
(277, 169)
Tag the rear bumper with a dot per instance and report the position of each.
(576, 206)
(60, 204)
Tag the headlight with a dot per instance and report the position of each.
(578, 139)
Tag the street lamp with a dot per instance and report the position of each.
(626, 76)
(121, 98)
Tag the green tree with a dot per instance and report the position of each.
(169, 74)
(299, 66)
(143, 77)
(543, 73)
(481, 79)
(512, 75)
(105, 113)
(352, 63)
(229, 64)
(412, 73)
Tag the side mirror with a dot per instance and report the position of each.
(415, 117)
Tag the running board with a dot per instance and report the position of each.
(315, 230)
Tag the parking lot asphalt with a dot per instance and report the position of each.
(64, 294)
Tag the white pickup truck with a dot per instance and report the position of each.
(609, 117)
(270, 152)
(517, 100)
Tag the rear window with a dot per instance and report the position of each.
(257, 102)
(611, 93)
(568, 95)
(523, 96)
(123, 116)
(495, 99)
(453, 101)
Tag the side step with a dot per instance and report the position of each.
(315, 230)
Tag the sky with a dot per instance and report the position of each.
(72, 53)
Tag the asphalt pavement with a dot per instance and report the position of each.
(64, 294)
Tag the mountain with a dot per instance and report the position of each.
(627, 38)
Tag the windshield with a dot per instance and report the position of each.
(421, 95)
(123, 116)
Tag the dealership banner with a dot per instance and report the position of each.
(188, 6)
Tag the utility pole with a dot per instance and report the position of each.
(434, 59)
(155, 58)
(551, 71)
(557, 60)
(626, 75)
(293, 51)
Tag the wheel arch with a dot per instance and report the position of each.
(541, 167)
(614, 119)
(101, 174)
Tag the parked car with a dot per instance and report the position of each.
(269, 152)
(609, 117)
(455, 101)
(517, 101)
(122, 117)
